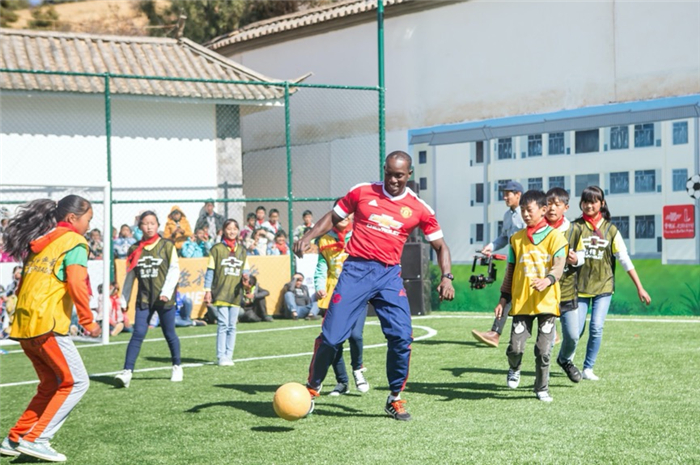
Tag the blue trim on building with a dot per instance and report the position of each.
(600, 110)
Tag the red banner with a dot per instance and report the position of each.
(679, 221)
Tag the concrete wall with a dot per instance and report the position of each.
(478, 60)
(160, 149)
(483, 59)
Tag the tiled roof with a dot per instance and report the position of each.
(292, 21)
(142, 56)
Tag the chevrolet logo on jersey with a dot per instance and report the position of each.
(595, 247)
(386, 221)
(232, 266)
(535, 264)
(148, 266)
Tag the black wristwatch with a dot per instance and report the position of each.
(449, 276)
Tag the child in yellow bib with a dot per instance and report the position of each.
(535, 265)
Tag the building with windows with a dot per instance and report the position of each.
(552, 94)
(569, 149)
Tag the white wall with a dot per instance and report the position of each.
(160, 150)
(483, 59)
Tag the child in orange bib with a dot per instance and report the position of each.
(49, 238)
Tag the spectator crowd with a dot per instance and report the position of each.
(262, 234)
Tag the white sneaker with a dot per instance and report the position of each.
(177, 374)
(224, 362)
(544, 396)
(40, 450)
(588, 374)
(513, 378)
(124, 378)
(360, 382)
(340, 388)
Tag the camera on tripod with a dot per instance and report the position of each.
(480, 281)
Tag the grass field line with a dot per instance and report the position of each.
(612, 318)
(430, 332)
(159, 339)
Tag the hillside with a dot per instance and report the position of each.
(96, 16)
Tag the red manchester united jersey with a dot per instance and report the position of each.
(382, 222)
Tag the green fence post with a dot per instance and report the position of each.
(107, 254)
(288, 144)
(382, 109)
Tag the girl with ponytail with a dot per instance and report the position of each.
(49, 238)
(604, 247)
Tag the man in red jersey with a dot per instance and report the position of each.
(385, 214)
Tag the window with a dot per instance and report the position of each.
(499, 227)
(620, 182)
(623, 225)
(479, 232)
(479, 194)
(556, 143)
(619, 138)
(480, 151)
(534, 184)
(557, 181)
(645, 181)
(680, 133)
(585, 180)
(534, 146)
(422, 157)
(505, 148)
(587, 141)
(644, 135)
(644, 227)
(423, 184)
(499, 188)
(680, 178)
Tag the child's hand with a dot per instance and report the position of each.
(643, 296)
(540, 284)
(96, 332)
(572, 259)
(498, 311)
(164, 298)
(207, 297)
(321, 294)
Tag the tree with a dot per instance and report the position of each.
(45, 17)
(266, 9)
(8, 10)
(207, 19)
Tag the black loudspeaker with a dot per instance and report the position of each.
(418, 291)
(415, 272)
(415, 260)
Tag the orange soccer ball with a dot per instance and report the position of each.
(292, 401)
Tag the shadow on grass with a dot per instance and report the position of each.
(271, 429)
(26, 459)
(470, 391)
(339, 410)
(257, 408)
(458, 372)
(251, 389)
(265, 409)
(432, 342)
(169, 360)
(108, 380)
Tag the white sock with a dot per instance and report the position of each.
(392, 398)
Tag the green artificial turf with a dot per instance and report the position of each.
(643, 410)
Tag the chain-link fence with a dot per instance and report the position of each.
(162, 143)
(219, 141)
